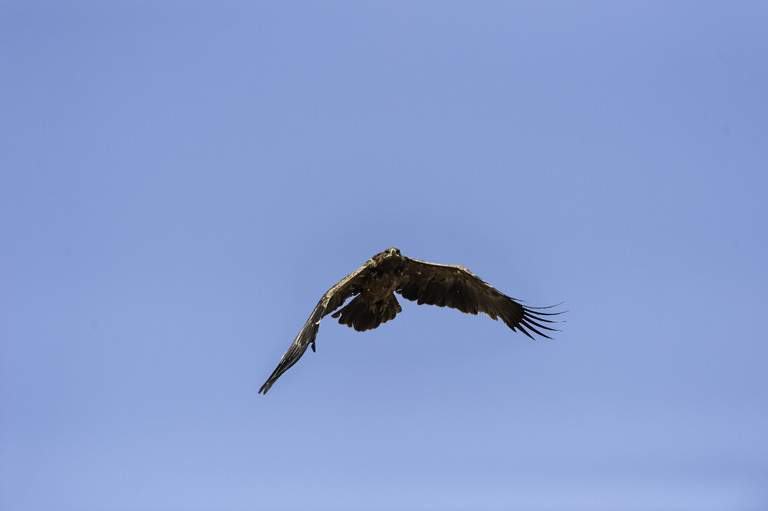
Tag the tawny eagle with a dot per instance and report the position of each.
(374, 286)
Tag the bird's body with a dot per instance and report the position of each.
(381, 282)
(376, 302)
(374, 285)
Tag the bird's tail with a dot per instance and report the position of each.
(362, 314)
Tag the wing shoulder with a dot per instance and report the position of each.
(421, 275)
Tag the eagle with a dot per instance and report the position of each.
(374, 285)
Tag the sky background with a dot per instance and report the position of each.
(182, 181)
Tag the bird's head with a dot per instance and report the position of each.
(391, 252)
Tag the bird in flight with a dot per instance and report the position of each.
(374, 285)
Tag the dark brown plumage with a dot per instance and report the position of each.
(374, 286)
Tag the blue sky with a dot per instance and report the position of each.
(182, 181)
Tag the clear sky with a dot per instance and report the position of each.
(180, 182)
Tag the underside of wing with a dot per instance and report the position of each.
(458, 288)
(331, 300)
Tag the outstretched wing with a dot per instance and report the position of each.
(457, 287)
(331, 300)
